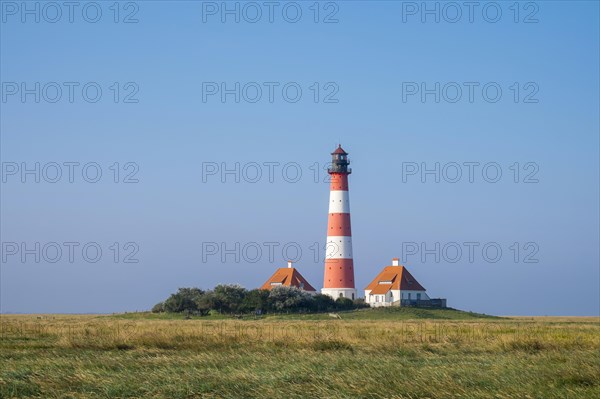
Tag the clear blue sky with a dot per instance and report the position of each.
(370, 57)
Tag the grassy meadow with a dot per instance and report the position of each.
(373, 353)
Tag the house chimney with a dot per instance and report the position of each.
(289, 264)
(395, 262)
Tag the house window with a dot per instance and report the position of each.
(376, 298)
(418, 296)
(409, 295)
(341, 294)
(353, 296)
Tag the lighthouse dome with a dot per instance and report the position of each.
(339, 150)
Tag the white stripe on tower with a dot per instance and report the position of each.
(338, 247)
(339, 201)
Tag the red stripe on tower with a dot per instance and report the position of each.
(339, 266)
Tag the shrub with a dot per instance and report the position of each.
(228, 298)
(322, 303)
(360, 303)
(289, 298)
(344, 303)
(256, 300)
(234, 298)
(205, 303)
(158, 308)
(183, 300)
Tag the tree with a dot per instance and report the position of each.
(228, 298)
(256, 300)
(183, 300)
(360, 303)
(233, 298)
(344, 303)
(205, 303)
(289, 298)
(323, 303)
(158, 308)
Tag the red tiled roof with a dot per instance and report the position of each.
(339, 150)
(381, 289)
(400, 277)
(288, 277)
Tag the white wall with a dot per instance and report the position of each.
(387, 299)
(335, 292)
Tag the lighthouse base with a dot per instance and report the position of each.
(336, 293)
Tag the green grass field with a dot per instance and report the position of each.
(383, 353)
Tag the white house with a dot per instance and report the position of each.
(394, 286)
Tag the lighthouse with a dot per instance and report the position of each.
(339, 268)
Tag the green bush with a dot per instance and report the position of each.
(205, 303)
(183, 300)
(158, 308)
(289, 298)
(256, 300)
(234, 299)
(228, 298)
(322, 303)
(360, 303)
(344, 303)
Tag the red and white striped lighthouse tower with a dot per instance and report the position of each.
(339, 267)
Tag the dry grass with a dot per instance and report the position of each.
(106, 357)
